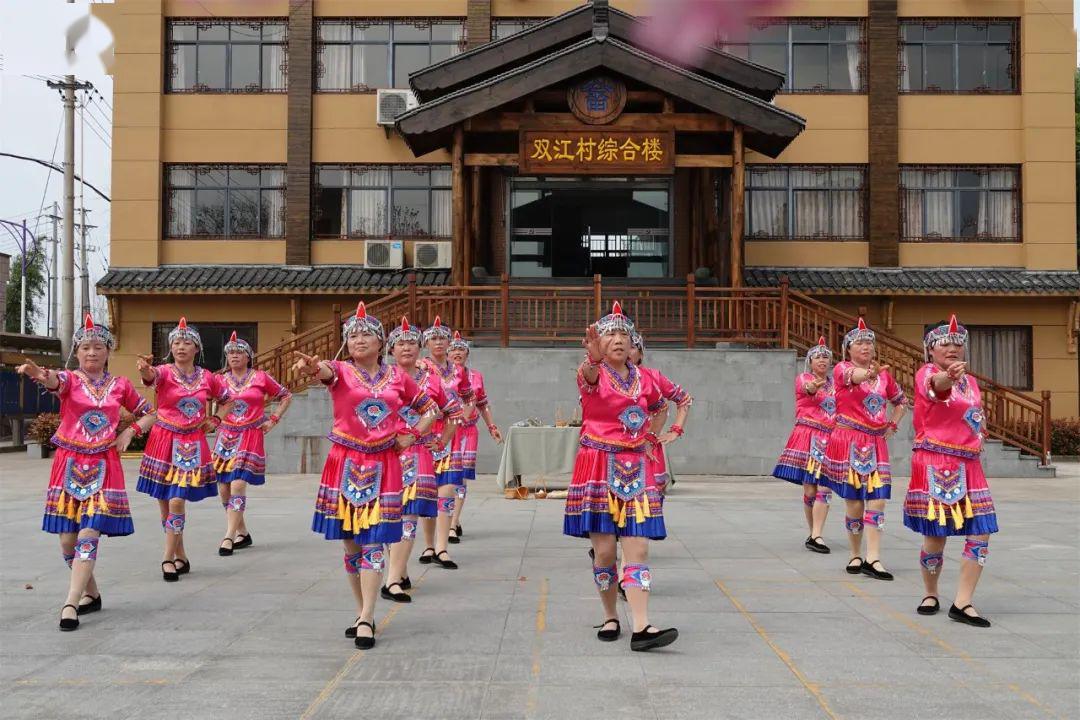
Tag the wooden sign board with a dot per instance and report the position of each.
(595, 151)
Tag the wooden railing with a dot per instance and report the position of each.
(322, 340)
(688, 316)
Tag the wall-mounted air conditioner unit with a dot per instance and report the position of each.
(390, 103)
(431, 255)
(384, 255)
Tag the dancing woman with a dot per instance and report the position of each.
(240, 454)
(359, 498)
(948, 494)
(802, 461)
(613, 493)
(857, 456)
(86, 497)
(176, 466)
(420, 492)
(467, 439)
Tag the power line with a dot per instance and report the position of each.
(53, 166)
(48, 177)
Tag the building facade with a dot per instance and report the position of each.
(898, 159)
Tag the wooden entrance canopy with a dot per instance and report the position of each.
(533, 93)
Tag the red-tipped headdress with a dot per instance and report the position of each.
(404, 331)
(361, 322)
(950, 333)
(90, 331)
(615, 321)
(861, 332)
(459, 343)
(819, 350)
(437, 329)
(235, 344)
(183, 331)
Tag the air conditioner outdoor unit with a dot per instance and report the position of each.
(390, 103)
(431, 255)
(384, 255)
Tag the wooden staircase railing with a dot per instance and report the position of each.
(687, 316)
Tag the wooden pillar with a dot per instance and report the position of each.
(738, 206)
(457, 273)
(298, 135)
(883, 149)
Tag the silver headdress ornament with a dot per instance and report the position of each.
(235, 344)
(437, 329)
(183, 332)
(861, 332)
(819, 350)
(950, 333)
(361, 323)
(91, 331)
(615, 322)
(403, 332)
(459, 343)
(638, 341)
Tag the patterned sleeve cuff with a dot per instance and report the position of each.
(657, 406)
(63, 378)
(898, 399)
(423, 403)
(283, 393)
(848, 372)
(333, 375)
(153, 381)
(142, 409)
(680, 397)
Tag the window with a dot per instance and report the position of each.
(226, 56)
(214, 336)
(505, 27)
(225, 201)
(966, 202)
(959, 56)
(1002, 353)
(791, 202)
(382, 200)
(362, 55)
(819, 55)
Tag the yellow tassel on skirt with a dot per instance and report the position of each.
(354, 519)
(620, 509)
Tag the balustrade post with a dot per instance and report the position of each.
(337, 327)
(504, 302)
(411, 312)
(784, 339)
(1046, 427)
(691, 310)
(597, 299)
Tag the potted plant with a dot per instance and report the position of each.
(40, 433)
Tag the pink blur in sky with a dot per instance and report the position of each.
(680, 29)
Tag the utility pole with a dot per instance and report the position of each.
(67, 295)
(54, 299)
(84, 266)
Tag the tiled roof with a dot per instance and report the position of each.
(934, 281)
(264, 278)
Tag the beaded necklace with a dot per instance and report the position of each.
(96, 390)
(374, 384)
(188, 382)
(631, 386)
(238, 386)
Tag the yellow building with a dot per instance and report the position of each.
(898, 159)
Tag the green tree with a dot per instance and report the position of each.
(35, 288)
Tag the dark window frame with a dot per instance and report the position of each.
(934, 22)
(791, 190)
(1029, 332)
(227, 231)
(391, 44)
(789, 45)
(526, 22)
(159, 339)
(1016, 191)
(389, 189)
(171, 46)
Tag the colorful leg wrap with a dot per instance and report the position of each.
(174, 523)
(237, 503)
(823, 497)
(808, 500)
(636, 576)
(446, 506)
(352, 563)
(931, 561)
(854, 525)
(461, 490)
(976, 551)
(68, 559)
(408, 529)
(372, 557)
(603, 576)
(86, 549)
(874, 518)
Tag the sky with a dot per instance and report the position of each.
(32, 47)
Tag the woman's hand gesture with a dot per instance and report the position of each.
(32, 370)
(592, 344)
(307, 364)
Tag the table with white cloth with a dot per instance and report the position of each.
(540, 451)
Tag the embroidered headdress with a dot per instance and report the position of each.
(91, 331)
(184, 332)
(950, 333)
(403, 332)
(361, 322)
(860, 333)
(437, 329)
(637, 341)
(235, 344)
(819, 350)
(459, 343)
(615, 322)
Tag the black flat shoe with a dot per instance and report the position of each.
(622, 591)
(426, 559)
(959, 615)
(363, 641)
(645, 640)
(167, 576)
(389, 594)
(186, 566)
(445, 564)
(928, 609)
(406, 584)
(816, 544)
(91, 607)
(350, 632)
(69, 624)
(609, 635)
(882, 574)
(453, 539)
(459, 531)
(226, 551)
(245, 541)
(854, 569)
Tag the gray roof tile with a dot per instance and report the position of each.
(971, 281)
(262, 277)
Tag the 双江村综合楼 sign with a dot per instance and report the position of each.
(597, 152)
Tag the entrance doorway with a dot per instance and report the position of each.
(617, 227)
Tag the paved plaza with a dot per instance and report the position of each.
(768, 630)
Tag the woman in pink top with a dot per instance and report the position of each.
(802, 461)
(420, 493)
(948, 494)
(359, 499)
(176, 465)
(86, 497)
(467, 438)
(857, 456)
(613, 493)
(240, 452)
(455, 383)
